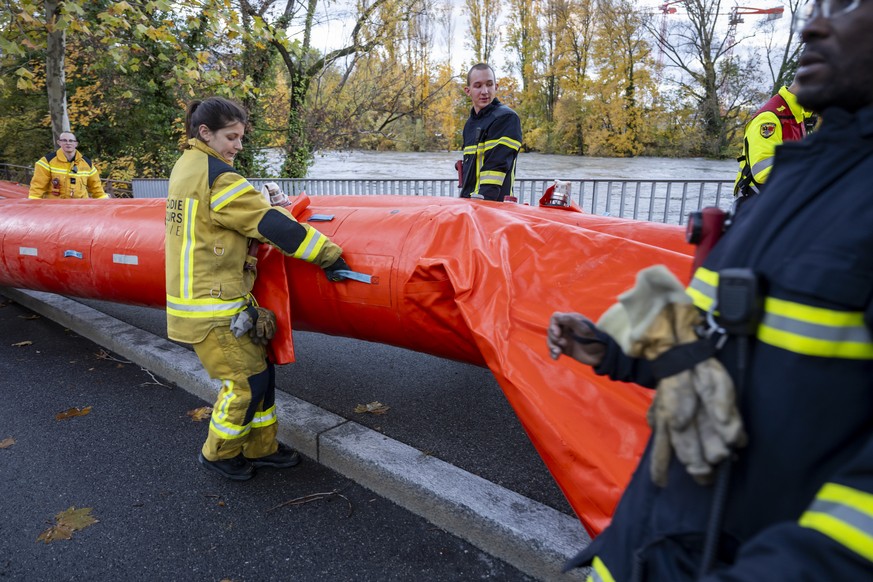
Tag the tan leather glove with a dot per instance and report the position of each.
(264, 327)
(694, 412)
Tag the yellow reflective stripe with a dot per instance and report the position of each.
(707, 276)
(760, 166)
(702, 288)
(492, 177)
(599, 572)
(186, 251)
(493, 143)
(42, 164)
(310, 246)
(265, 417)
(815, 331)
(206, 307)
(470, 150)
(845, 515)
(509, 142)
(221, 199)
(219, 423)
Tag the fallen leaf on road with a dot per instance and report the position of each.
(201, 413)
(6, 443)
(375, 407)
(31, 316)
(66, 522)
(76, 411)
(22, 344)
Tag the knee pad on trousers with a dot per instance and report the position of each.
(263, 389)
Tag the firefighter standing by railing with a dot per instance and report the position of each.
(66, 173)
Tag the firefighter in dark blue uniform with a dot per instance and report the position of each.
(798, 503)
(492, 138)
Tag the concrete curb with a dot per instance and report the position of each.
(533, 537)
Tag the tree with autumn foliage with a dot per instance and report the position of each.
(617, 124)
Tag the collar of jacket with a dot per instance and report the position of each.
(485, 110)
(836, 119)
(201, 145)
(797, 110)
(77, 156)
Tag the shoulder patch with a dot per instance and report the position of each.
(767, 129)
(217, 168)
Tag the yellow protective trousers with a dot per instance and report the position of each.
(244, 416)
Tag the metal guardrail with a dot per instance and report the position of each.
(23, 175)
(667, 201)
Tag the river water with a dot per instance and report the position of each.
(437, 165)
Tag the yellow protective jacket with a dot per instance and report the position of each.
(212, 215)
(76, 178)
(781, 119)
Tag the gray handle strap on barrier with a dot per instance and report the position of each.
(354, 275)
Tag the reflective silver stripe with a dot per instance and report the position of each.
(310, 246)
(857, 334)
(227, 432)
(762, 165)
(815, 331)
(125, 259)
(186, 266)
(264, 418)
(509, 142)
(207, 305)
(492, 177)
(28, 251)
(703, 288)
(228, 194)
(846, 514)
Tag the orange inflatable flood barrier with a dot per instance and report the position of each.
(467, 280)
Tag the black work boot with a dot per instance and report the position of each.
(237, 468)
(283, 458)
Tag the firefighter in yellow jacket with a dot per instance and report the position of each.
(66, 173)
(212, 216)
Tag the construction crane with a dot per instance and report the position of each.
(736, 17)
(666, 9)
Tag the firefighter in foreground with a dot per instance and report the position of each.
(492, 138)
(781, 119)
(760, 466)
(213, 215)
(66, 173)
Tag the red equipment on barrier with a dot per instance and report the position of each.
(474, 281)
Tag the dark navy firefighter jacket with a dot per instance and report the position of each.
(492, 139)
(800, 498)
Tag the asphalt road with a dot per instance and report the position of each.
(131, 460)
(453, 411)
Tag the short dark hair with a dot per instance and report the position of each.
(480, 67)
(213, 112)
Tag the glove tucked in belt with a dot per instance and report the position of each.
(694, 412)
(259, 322)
